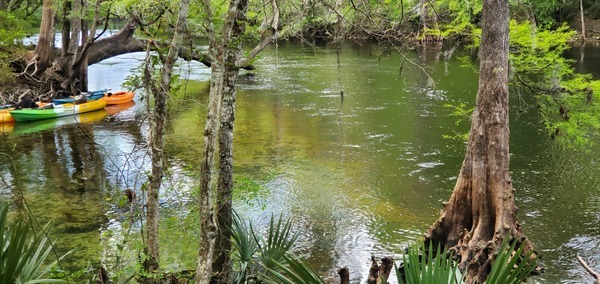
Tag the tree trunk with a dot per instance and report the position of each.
(73, 50)
(208, 225)
(223, 74)
(222, 262)
(582, 20)
(43, 53)
(158, 118)
(83, 66)
(481, 211)
(66, 27)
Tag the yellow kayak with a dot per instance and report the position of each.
(5, 115)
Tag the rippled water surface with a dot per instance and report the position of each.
(352, 151)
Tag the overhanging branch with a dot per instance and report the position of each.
(269, 36)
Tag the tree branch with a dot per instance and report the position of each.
(124, 42)
(268, 36)
(594, 274)
(121, 43)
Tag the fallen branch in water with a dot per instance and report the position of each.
(595, 274)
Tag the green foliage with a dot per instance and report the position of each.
(566, 100)
(278, 243)
(83, 275)
(12, 31)
(23, 255)
(431, 268)
(567, 103)
(548, 12)
(293, 270)
(538, 51)
(245, 247)
(12, 28)
(459, 18)
(256, 254)
(510, 265)
(462, 113)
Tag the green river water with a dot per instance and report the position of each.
(360, 174)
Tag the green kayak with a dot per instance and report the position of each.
(57, 111)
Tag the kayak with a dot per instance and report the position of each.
(6, 127)
(92, 96)
(57, 111)
(5, 115)
(115, 109)
(47, 124)
(118, 98)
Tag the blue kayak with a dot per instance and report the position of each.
(92, 96)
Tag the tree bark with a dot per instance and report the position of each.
(158, 118)
(44, 50)
(122, 42)
(66, 27)
(208, 224)
(582, 20)
(222, 263)
(481, 211)
(151, 264)
(82, 63)
(73, 47)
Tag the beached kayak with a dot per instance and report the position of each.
(57, 111)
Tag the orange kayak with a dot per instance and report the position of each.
(118, 98)
(114, 109)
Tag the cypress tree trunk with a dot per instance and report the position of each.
(44, 49)
(481, 211)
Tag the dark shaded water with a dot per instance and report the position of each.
(361, 174)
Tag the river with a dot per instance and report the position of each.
(360, 173)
